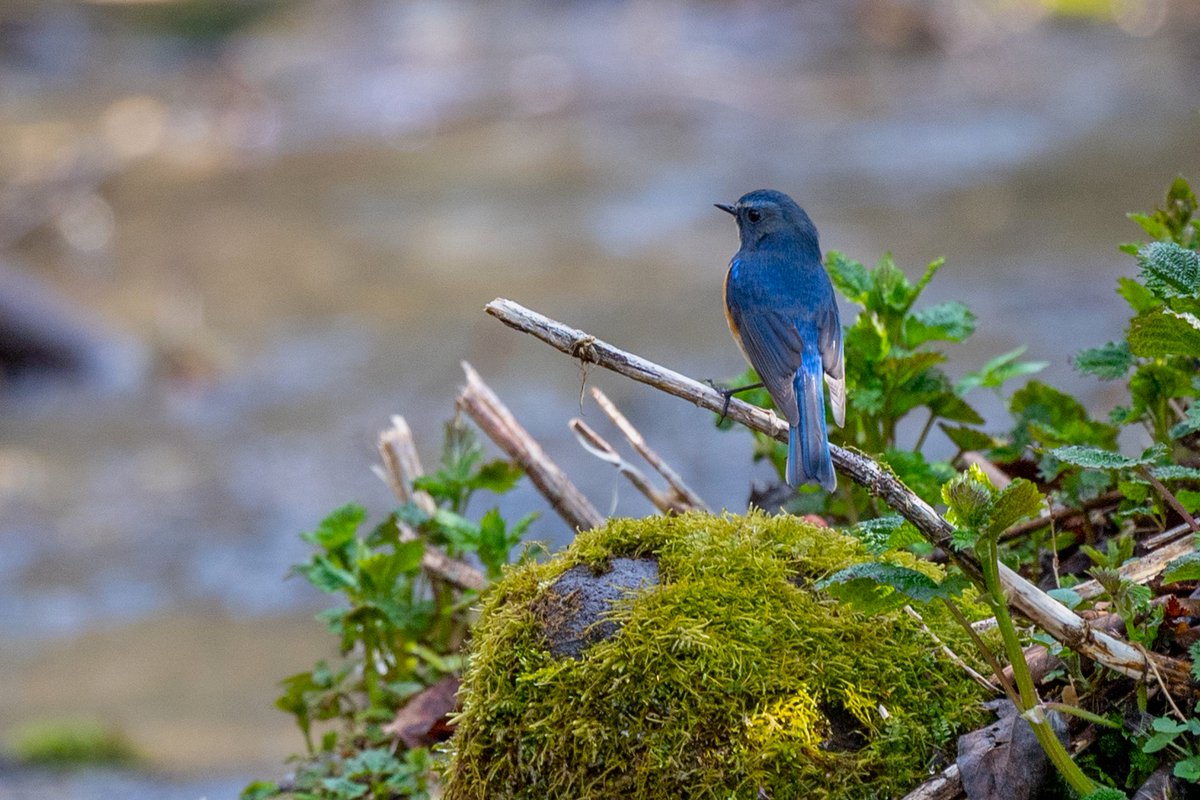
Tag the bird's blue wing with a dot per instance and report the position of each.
(774, 346)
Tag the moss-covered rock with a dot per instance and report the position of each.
(720, 672)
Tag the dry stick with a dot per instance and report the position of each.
(1171, 499)
(945, 786)
(595, 444)
(1051, 615)
(481, 403)
(401, 466)
(1061, 512)
(972, 673)
(638, 443)
(1142, 570)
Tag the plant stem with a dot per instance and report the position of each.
(989, 560)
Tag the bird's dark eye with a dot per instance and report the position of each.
(754, 215)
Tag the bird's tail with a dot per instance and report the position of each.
(808, 442)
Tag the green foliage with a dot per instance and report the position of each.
(1162, 343)
(875, 586)
(1170, 733)
(1112, 361)
(1184, 568)
(399, 628)
(722, 679)
(70, 743)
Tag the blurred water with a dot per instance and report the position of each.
(288, 235)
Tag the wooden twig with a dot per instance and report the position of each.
(1141, 570)
(1051, 615)
(946, 785)
(601, 449)
(1060, 513)
(687, 497)
(1170, 497)
(482, 405)
(401, 466)
(971, 672)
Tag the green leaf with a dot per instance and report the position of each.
(344, 788)
(1175, 472)
(1164, 333)
(914, 585)
(848, 276)
(1107, 363)
(1169, 270)
(1184, 568)
(969, 496)
(885, 533)
(890, 290)
(1017, 501)
(337, 529)
(1140, 298)
(497, 476)
(1068, 597)
(327, 576)
(966, 438)
(996, 372)
(1188, 768)
(1189, 425)
(947, 322)
(1097, 458)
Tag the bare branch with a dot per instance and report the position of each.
(481, 403)
(1051, 615)
(401, 467)
(601, 449)
(686, 497)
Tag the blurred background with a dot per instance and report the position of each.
(236, 236)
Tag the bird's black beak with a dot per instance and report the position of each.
(726, 209)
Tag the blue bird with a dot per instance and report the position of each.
(783, 314)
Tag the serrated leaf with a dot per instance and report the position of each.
(1184, 568)
(1017, 501)
(914, 585)
(1107, 363)
(1194, 654)
(848, 276)
(885, 533)
(969, 496)
(1169, 270)
(1175, 472)
(1164, 333)
(1097, 458)
(327, 576)
(948, 322)
(338, 528)
(1189, 425)
(890, 289)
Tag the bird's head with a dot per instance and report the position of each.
(764, 212)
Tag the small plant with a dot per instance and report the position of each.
(1181, 738)
(400, 629)
(980, 513)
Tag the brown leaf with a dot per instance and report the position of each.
(422, 720)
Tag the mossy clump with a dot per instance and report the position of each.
(724, 674)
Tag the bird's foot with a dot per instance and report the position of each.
(728, 394)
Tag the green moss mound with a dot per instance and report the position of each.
(728, 676)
